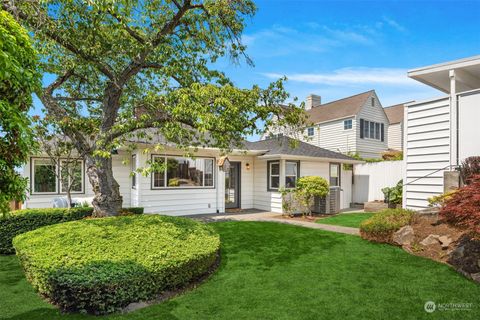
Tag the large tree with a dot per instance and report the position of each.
(125, 66)
(18, 79)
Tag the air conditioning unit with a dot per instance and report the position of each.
(329, 204)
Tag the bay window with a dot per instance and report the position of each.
(292, 173)
(273, 175)
(181, 172)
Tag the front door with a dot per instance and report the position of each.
(232, 186)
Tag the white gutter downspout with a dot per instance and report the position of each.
(453, 121)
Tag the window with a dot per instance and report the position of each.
(334, 174)
(372, 130)
(292, 173)
(133, 167)
(44, 176)
(71, 176)
(310, 131)
(180, 172)
(372, 101)
(49, 176)
(347, 124)
(273, 175)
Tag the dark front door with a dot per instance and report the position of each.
(232, 186)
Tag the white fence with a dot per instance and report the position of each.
(370, 178)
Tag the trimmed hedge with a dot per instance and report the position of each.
(21, 221)
(382, 225)
(101, 265)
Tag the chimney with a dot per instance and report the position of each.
(313, 101)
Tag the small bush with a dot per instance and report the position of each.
(308, 188)
(20, 221)
(462, 209)
(132, 210)
(469, 168)
(394, 195)
(101, 265)
(382, 225)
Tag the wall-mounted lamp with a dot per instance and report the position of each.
(247, 166)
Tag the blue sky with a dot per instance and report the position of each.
(340, 48)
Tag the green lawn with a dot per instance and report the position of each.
(277, 271)
(347, 219)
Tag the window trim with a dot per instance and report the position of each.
(165, 156)
(297, 162)
(366, 130)
(339, 173)
(60, 177)
(57, 177)
(133, 168)
(269, 188)
(308, 131)
(344, 124)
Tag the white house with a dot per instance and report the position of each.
(356, 124)
(199, 186)
(395, 129)
(441, 132)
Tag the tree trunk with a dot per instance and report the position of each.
(107, 200)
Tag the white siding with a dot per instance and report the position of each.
(468, 125)
(334, 137)
(120, 173)
(426, 150)
(395, 136)
(372, 148)
(262, 198)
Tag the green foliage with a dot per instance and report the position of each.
(441, 199)
(288, 205)
(381, 226)
(309, 187)
(100, 265)
(392, 155)
(18, 80)
(133, 210)
(394, 195)
(21, 221)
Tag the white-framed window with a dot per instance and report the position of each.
(347, 124)
(372, 130)
(51, 177)
(133, 168)
(273, 175)
(181, 172)
(334, 174)
(71, 175)
(310, 131)
(292, 173)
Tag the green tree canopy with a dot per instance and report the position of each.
(18, 80)
(124, 66)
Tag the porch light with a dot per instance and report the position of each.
(247, 166)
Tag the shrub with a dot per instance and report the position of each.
(392, 155)
(102, 265)
(462, 209)
(470, 167)
(309, 187)
(441, 199)
(20, 221)
(394, 195)
(382, 225)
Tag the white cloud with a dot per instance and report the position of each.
(352, 76)
(394, 24)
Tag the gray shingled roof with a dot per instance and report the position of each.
(288, 146)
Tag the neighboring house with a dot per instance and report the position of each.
(356, 124)
(395, 128)
(200, 186)
(441, 132)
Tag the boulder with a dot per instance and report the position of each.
(445, 241)
(404, 236)
(431, 239)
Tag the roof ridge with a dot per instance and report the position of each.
(355, 95)
(398, 104)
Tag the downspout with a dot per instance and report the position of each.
(453, 121)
